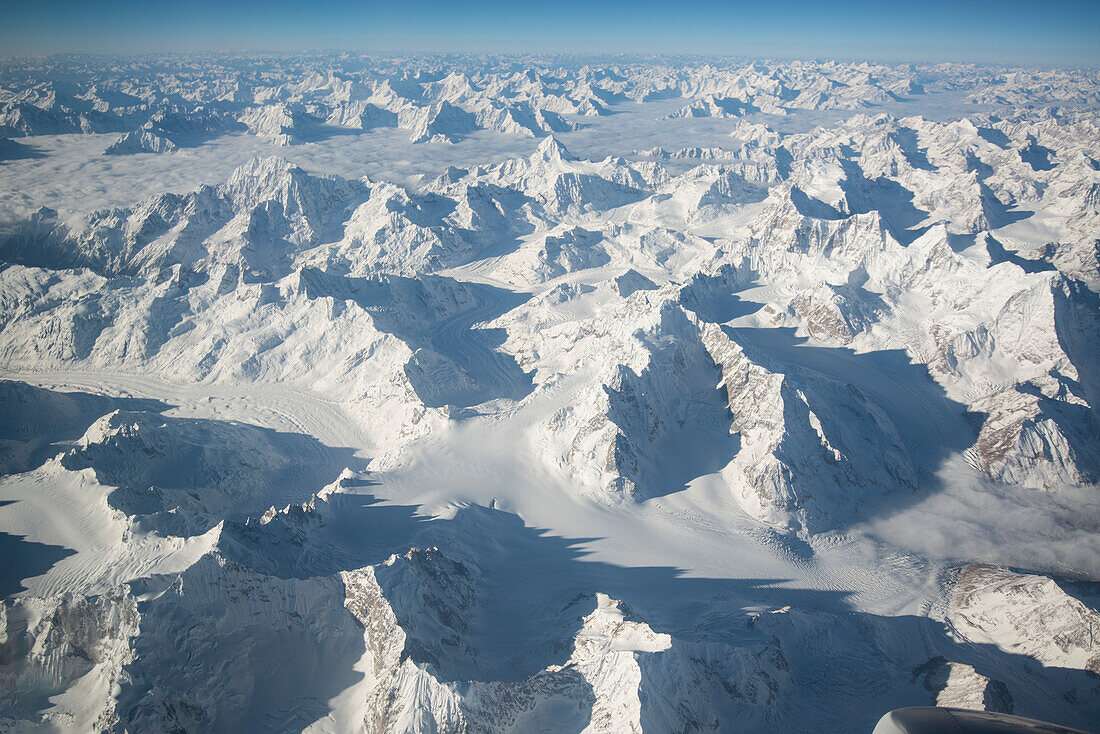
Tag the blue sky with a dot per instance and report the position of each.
(1015, 31)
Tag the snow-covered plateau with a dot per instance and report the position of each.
(431, 395)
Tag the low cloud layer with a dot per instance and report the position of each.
(974, 519)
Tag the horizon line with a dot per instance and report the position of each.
(539, 55)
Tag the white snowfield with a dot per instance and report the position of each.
(430, 395)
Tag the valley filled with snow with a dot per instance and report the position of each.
(499, 394)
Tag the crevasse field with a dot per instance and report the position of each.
(470, 394)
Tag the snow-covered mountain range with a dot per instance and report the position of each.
(655, 396)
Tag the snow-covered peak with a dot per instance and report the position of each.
(551, 150)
